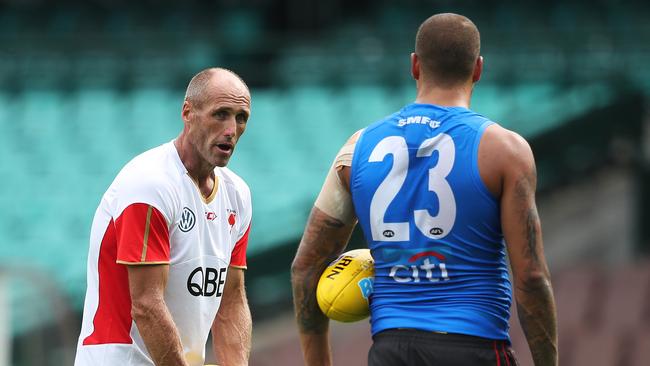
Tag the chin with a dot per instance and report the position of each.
(221, 162)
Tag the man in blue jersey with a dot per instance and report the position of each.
(441, 193)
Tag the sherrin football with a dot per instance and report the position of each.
(345, 286)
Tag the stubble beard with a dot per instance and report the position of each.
(217, 160)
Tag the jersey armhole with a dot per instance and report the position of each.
(476, 174)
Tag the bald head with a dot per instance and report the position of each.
(197, 90)
(447, 46)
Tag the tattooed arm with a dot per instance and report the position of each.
(324, 239)
(522, 232)
(326, 235)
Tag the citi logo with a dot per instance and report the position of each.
(187, 220)
(432, 272)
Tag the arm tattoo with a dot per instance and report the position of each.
(538, 320)
(532, 218)
(535, 303)
(523, 189)
(324, 239)
(309, 321)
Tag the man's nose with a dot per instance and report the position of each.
(231, 128)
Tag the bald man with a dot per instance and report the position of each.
(168, 244)
(436, 189)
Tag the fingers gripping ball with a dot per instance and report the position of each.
(345, 286)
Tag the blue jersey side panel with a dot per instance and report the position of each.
(447, 273)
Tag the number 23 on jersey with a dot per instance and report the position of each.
(434, 227)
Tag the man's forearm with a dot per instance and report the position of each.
(324, 239)
(231, 335)
(312, 324)
(308, 315)
(159, 334)
(537, 315)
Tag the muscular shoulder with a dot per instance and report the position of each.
(508, 145)
(503, 154)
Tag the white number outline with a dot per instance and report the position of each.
(388, 189)
(434, 227)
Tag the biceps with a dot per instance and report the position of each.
(147, 287)
(147, 283)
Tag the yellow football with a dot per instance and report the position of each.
(345, 285)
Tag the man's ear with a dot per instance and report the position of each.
(415, 66)
(186, 110)
(478, 69)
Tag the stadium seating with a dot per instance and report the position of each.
(640, 353)
(74, 142)
(602, 316)
(83, 90)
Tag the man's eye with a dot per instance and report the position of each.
(242, 118)
(221, 114)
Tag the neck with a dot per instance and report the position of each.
(458, 96)
(197, 168)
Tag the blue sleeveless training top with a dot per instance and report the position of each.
(432, 226)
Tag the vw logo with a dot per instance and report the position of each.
(187, 220)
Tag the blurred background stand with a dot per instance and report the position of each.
(87, 85)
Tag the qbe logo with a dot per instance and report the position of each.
(208, 282)
(187, 220)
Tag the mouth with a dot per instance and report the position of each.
(225, 147)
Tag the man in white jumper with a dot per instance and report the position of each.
(168, 244)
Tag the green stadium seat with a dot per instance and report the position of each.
(155, 117)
